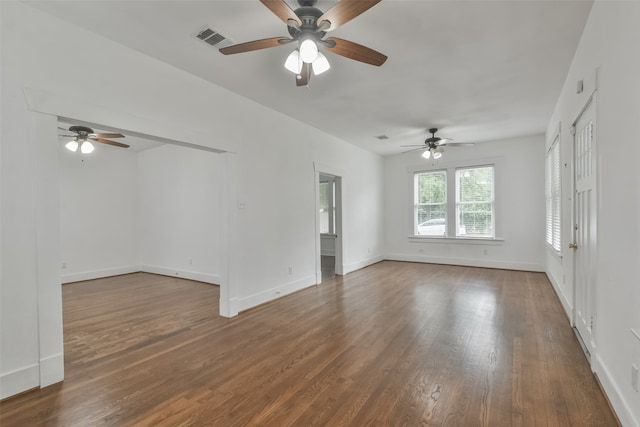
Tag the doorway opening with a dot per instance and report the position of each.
(329, 262)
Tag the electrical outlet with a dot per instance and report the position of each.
(64, 265)
(290, 270)
(486, 251)
(190, 261)
(634, 377)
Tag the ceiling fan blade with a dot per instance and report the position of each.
(355, 51)
(254, 45)
(64, 129)
(304, 76)
(415, 149)
(282, 10)
(106, 135)
(106, 141)
(457, 144)
(344, 12)
(414, 145)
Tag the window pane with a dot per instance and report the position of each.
(475, 202)
(431, 220)
(430, 204)
(475, 219)
(324, 207)
(432, 187)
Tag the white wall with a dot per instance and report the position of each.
(98, 213)
(179, 206)
(275, 230)
(519, 186)
(610, 44)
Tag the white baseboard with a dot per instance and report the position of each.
(214, 279)
(621, 406)
(51, 369)
(20, 380)
(250, 301)
(468, 262)
(566, 304)
(99, 274)
(351, 267)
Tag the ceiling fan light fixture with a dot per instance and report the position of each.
(293, 62)
(437, 153)
(321, 64)
(72, 145)
(426, 154)
(86, 147)
(308, 50)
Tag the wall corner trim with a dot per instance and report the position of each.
(621, 407)
(51, 369)
(23, 379)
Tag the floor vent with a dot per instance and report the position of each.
(213, 38)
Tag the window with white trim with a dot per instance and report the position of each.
(470, 212)
(475, 202)
(552, 195)
(430, 203)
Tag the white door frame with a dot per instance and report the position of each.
(590, 344)
(339, 175)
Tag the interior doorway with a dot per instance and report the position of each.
(329, 259)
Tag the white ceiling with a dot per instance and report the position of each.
(479, 70)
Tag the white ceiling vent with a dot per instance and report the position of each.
(382, 137)
(213, 38)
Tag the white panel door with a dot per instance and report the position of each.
(585, 226)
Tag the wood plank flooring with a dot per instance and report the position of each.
(392, 344)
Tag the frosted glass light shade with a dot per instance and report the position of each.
(437, 153)
(86, 147)
(320, 65)
(72, 145)
(426, 154)
(293, 62)
(308, 51)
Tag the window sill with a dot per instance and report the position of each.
(457, 240)
(328, 235)
(555, 253)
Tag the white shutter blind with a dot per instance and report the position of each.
(553, 196)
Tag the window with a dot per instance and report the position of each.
(467, 213)
(475, 204)
(327, 207)
(552, 194)
(430, 207)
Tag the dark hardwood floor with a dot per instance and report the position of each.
(392, 344)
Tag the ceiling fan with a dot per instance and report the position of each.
(308, 26)
(83, 135)
(433, 145)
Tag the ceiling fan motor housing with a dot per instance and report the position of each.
(309, 17)
(81, 130)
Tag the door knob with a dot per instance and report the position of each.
(573, 246)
